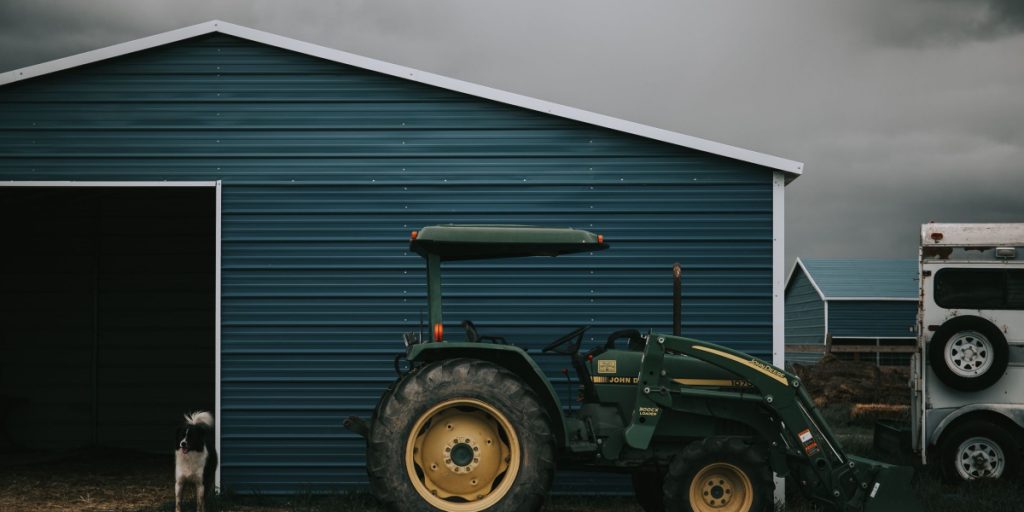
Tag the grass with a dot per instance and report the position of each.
(935, 496)
(364, 502)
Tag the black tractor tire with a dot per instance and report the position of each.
(420, 391)
(647, 487)
(739, 455)
(968, 328)
(993, 442)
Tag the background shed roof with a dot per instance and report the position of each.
(865, 278)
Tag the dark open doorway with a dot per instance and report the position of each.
(107, 311)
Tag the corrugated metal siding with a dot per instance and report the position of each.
(805, 311)
(805, 317)
(872, 319)
(327, 168)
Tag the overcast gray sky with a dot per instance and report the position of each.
(903, 112)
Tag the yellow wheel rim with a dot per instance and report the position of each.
(721, 487)
(462, 455)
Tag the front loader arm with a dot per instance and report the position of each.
(803, 439)
(779, 391)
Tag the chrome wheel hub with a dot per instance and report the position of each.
(968, 354)
(980, 457)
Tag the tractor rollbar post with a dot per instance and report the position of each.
(677, 299)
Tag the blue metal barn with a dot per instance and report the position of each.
(859, 302)
(310, 167)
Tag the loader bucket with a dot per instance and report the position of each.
(892, 489)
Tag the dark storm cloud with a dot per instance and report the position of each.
(922, 22)
(903, 111)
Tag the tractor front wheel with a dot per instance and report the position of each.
(461, 435)
(719, 475)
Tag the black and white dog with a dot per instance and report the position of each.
(195, 458)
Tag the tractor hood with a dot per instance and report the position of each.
(454, 242)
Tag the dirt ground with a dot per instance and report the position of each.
(835, 382)
(102, 481)
(87, 481)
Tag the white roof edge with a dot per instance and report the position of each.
(874, 337)
(973, 234)
(792, 272)
(109, 52)
(800, 264)
(792, 167)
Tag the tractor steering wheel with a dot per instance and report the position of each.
(576, 333)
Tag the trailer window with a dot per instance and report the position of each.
(1015, 289)
(979, 288)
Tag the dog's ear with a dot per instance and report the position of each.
(178, 434)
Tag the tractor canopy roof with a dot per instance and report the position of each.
(454, 242)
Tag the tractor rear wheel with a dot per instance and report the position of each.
(461, 435)
(719, 475)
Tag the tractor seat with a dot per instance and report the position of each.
(474, 336)
(637, 342)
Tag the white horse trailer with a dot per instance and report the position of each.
(968, 373)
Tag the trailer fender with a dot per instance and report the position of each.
(512, 358)
(1001, 414)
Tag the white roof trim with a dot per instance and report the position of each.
(874, 338)
(792, 167)
(799, 264)
(873, 299)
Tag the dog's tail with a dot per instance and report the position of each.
(200, 418)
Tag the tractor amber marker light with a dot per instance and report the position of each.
(755, 364)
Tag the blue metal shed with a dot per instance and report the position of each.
(854, 301)
(321, 162)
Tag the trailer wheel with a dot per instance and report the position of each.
(647, 487)
(719, 475)
(968, 354)
(976, 449)
(461, 435)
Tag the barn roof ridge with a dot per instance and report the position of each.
(790, 167)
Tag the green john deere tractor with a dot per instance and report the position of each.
(475, 425)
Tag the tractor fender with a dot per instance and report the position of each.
(513, 359)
